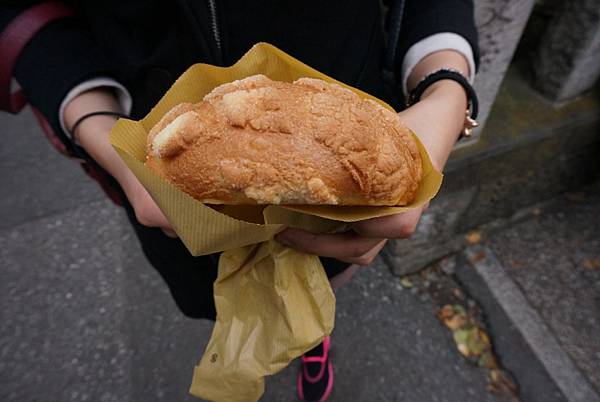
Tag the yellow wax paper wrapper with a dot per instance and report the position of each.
(273, 303)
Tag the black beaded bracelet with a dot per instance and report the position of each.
(454, 75)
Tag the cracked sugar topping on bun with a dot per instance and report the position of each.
(259, 141)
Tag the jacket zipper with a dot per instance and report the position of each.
(214, 23)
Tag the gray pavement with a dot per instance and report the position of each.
(28, 161)
(84, 317)
(522, 340)
(555, 260)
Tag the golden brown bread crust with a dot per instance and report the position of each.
(268, 142)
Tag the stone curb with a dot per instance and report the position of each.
(486, 280)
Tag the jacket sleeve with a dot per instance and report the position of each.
(59, 57)
(424, 18)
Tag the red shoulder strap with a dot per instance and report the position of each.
(13, 40)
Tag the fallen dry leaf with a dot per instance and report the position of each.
(474, 344)
(487, 360)
(501, 382)
(473, 238)
(460, 338)
(453, 316)
(477, 342)
(455, 322)
(445, 312)
(406, 282)
(592, 263)
(477, 257)
(462, 348)
(471, 341)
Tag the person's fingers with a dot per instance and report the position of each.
(156, 221)
(161, 220)
(345, 247)
(397, 226)
(170, 233)
(369, 256)
(149, 214)
(163, 223)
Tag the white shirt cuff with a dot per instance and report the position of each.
(123, 95)
(435, 43)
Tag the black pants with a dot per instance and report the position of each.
(190, 279)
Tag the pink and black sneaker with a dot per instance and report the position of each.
(315, 379)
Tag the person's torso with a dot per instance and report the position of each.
(153, 41)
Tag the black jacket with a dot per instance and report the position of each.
(147, 44)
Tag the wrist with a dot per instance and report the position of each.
(94, 126)
(437, 119)
(93, 136)
(92, 132)
(97, 99)
(447, 91)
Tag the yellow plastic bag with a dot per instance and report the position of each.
(273, 303)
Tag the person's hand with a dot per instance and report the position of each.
(146, 211)
(432, 121)
(437, 120)
(92, 135)
(361, 244)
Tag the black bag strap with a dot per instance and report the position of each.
(13, 40)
